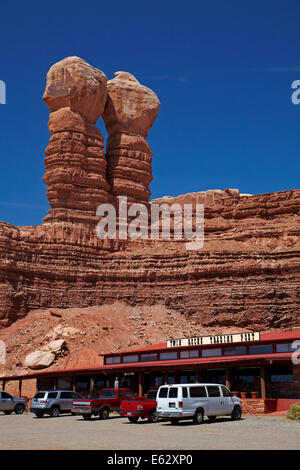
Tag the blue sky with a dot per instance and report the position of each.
(222, 70)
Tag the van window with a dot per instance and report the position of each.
(163, 393)
(52, 395)
(196, 392)
(226, 392)
(173, 392)
(184, 392)
(213, 391)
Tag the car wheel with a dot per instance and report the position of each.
(86, 417)
(19, 409)
(236, 414)
(7, 412)
(54, 412)
(39, 414)
(198, 417)
(153, 418)
(174, 420)
(212, 418)
(104, 414)
(133, 419)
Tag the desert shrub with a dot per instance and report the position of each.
(294, 411)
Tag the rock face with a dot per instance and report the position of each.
(75, 163)
(130, 111)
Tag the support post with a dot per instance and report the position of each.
(3, 385)
(20, 387)
(262, 381)
(140, 384)
(228, 378)
(166, 378)
(197, 377)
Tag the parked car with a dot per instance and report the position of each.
(53, 402)
(144, 408)
(109, 400)
(194, 401)
(8, 403)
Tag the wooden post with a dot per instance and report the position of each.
(197, 377)
(73, 383)
(228, 377)
(3, 385)
(262, 381)
(20, 387)
(140, 384)
(166, 378)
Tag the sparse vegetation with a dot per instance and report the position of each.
(294, 411)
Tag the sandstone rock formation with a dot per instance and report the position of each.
(130, 111)
(75, 163)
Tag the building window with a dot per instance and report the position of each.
(211, 352)
(284, 347)
(148, 357)
(159, 379)
(246, 375)
(168, 355)
(171, 378)
(112, 360)
(131, 358)
(189, 354)
(187, 377)
(261, 349)
(280, 374)
(64, 383)
(234, 350)
(214, 376)
(82, 384)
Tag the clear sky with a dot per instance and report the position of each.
(222, 70)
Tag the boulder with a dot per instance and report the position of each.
(39, 359)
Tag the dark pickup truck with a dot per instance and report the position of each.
(140, 408)
(109, 399)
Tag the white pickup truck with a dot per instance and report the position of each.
(194, 401)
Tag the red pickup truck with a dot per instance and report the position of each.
(109, 400)
(140, 408)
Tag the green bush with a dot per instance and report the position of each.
(294, 411)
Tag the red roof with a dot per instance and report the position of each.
(266, 336)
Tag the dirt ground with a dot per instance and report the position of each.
(72, 432)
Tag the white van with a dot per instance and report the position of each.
(194, 401)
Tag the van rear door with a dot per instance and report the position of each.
(162, 399)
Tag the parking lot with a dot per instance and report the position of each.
(72, 432)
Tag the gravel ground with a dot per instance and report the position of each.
(72, 432)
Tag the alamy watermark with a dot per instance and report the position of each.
(2, 352)
(2, 92)
(153, 222)
(296, 353)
